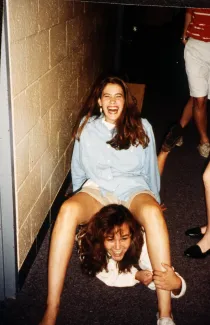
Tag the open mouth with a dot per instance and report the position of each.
(117, 254)
(113, 110)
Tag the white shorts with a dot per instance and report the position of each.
(197, 63)
(110, 198)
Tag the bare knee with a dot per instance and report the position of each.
(150, 214)
(206, 176)
(69, 212)
(200, 103)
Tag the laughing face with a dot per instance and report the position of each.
(118, 241)
(112, 101)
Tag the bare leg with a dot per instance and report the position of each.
(203, 229)
(174, 136)
(200, 115)
(148, 213)
(162, 160)
(187, 113)
(204, 243)
(76, 210)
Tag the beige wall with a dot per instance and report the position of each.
(56, 51)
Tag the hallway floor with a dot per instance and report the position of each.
(87, 300)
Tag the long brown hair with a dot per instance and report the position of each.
(129, 128)
(93, 255)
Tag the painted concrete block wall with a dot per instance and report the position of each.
(56, 52)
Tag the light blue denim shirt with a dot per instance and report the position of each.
(121, 172)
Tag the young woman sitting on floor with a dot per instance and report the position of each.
(112, 247)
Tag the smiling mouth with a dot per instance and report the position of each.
(117, 253)
(113, 110)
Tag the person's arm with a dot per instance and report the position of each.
(188, 18)
(151, 164)
(77, 171)
(181, 291)
(170, 280)
(144, 276)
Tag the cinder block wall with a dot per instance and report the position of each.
(56, 50)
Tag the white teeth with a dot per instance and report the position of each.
(117, 253)
(112, 111)
(113, 108)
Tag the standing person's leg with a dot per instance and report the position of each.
(200, 115)
(74, 211)
(196, 62)
(203, 245)
(187, 113)
(174, 136)
(162, 157)
(149, 214)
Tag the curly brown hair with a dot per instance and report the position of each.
(129, 128)
(93, 255)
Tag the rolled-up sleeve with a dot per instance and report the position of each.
(183, 289)
(145, 264)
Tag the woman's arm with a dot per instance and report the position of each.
(151, 164)
(188, 18)
(144, 276)
(170, 281)
(77, 171)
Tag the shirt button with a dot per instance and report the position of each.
(109, 177)
(108, 161)
(108, 146)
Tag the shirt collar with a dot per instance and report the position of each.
(109, 125)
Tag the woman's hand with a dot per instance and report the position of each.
(167, 280)
(144, 276)
(184, 39)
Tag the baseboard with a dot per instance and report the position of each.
(49, 220)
